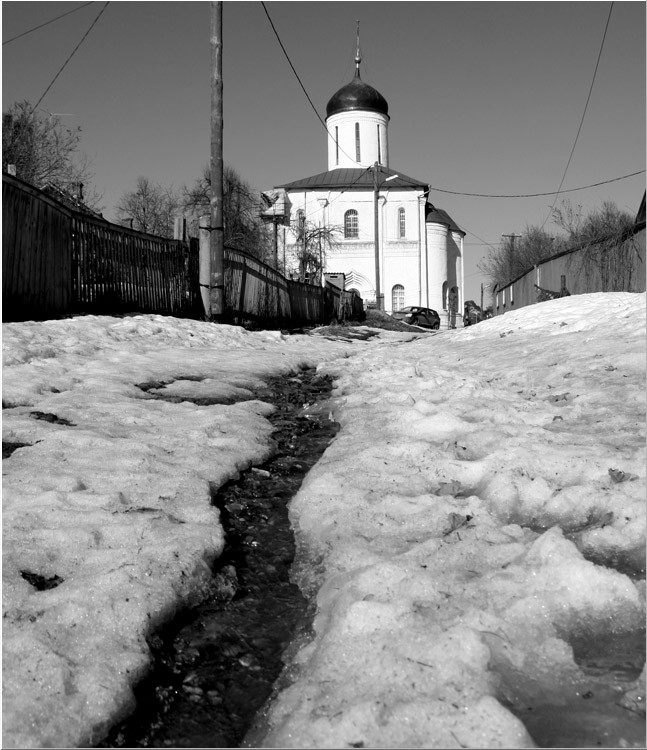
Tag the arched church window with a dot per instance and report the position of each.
(444, 295)
(397, 297)
(351, 224)
(358, 153)
(402, 222)
(336, 145)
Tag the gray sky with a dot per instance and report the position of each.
(484, 97)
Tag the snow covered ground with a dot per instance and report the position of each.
(479, 516)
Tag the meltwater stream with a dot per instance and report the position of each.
(216, 667)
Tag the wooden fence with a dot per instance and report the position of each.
(256, 293)
(36, 253)
(118, 270)
(57, 261)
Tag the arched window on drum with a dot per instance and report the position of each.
(402, 222)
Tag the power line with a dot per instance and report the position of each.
(347, 187)
(24, 33)
(287, 57)
(71, 55)
(539, 195)
(588, 98)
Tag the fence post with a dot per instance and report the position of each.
(241, 299)
(205, 265)
(179, 228)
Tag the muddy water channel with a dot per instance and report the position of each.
(215, 668)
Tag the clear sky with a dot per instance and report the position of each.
(484, 97)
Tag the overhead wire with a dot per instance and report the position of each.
(40, 26)
(287, 57)
(346, 187)
(71, 55)
(588, 98)
(539, 195)
(479, 195)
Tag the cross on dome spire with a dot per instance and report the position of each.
(358, 56)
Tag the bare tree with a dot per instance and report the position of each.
(606, 222)
(607, 257)
(44, 152)
(516, 255)
(313, 244)
(149, 208)
(604, 254)
(243, 227)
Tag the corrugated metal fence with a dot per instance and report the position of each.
(57, 261)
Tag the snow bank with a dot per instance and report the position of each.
(451, 522)
(108, 527)
(475, 517)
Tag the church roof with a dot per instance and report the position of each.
(360, 177)
(435, 215)
(357, 95)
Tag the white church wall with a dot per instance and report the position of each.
(401, 267)
(402, 255)
(437, 258)
(427, 257)
(372, 149)
(456, 270)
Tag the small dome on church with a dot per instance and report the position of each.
(357, 95)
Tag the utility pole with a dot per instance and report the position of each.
(482, 297)
(376, 188)
(512, 237)
(216, 229)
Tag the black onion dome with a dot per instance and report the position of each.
(357, 95)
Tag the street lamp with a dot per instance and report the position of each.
(376, 190)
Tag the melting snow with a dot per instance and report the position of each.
(476, 515)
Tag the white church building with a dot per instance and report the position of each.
(390, 244)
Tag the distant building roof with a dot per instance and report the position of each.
(359, 177)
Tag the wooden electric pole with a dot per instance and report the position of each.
(376, 189)
(510, 252)
(216, 229)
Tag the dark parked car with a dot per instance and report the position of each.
(424, 317)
